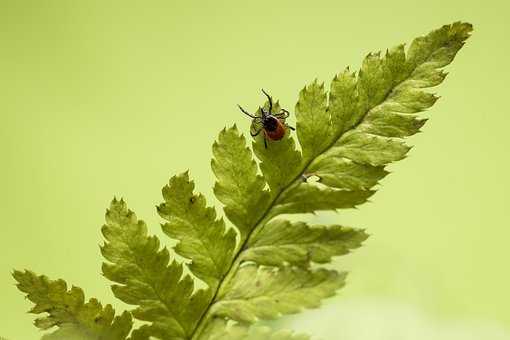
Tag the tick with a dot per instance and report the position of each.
(272, 124)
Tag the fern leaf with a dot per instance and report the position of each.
(220, 330)
(163, 295)
(308, 198)
(313, 122)
(202, 238)
(343, 173)
(266, 293)
(67, 310)
(238, 185)
(260, 333)
(369, 149)
(282, 242)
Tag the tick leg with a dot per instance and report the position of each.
(281, 116)
(270, 101)
(256, 133)
(262, 111)
(245, 112)
(265, 141)
(285, 113)
(290, 127)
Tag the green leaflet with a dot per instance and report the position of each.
(368, 149)
(266, 293)
(282, 242)
(343, 173)
(202, 238)
(313, 122)
(220, 330)
(259, 333)
(238, 185)
(145, 278)
(311, 197)
(67, 310)
(388, 124)
(341, 106)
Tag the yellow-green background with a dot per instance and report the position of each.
(103, 98)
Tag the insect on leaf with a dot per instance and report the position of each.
(282, 155)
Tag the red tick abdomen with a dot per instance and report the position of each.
(278, 133)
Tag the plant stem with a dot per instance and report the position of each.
(236, 262)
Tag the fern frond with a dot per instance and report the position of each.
(347, 136)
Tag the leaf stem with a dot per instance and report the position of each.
(236, 262)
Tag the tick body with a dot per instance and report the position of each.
(274, 128)
(272, 124)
